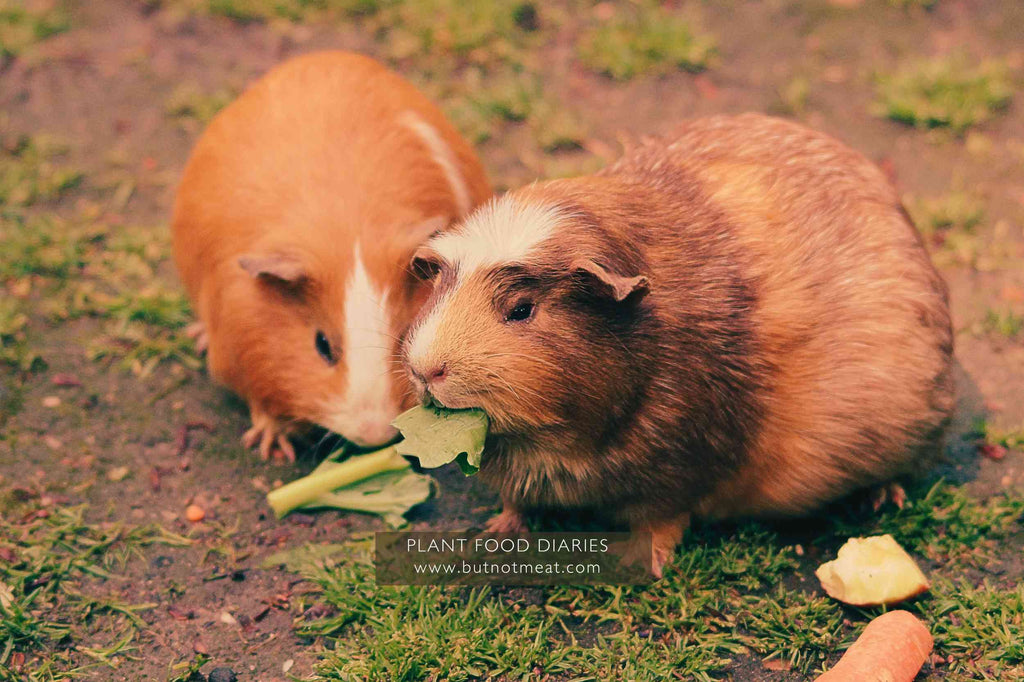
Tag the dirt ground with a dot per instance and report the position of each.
(103, 85)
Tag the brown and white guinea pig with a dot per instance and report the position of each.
(735, 320)
(294, 225)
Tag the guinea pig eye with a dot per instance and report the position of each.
(522, 312)
(323, 347)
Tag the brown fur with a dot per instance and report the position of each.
(308, 161)
(789, 341)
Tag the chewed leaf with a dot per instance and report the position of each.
(466, 466)
(389, 495)
(436, 436)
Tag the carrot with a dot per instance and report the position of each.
(892, 648)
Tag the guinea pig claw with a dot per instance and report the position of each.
(197, 332)
(285, 450)
(251, 437)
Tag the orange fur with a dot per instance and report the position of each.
(311, 160)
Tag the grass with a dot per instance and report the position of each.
(32, 169)
(78, 266)
(731, 592)
(188, 102)
(58, 615)
(958, 210)
(949, 224)
(793, 97)
(22, 24)
(44, 246)
(645, 38)
(189, 671)
(14, 348)
(914, 4)
(478, 32)
(1008, 439)
(478, 60)
(1004, 323)
(945, 92)
(263, 11)
(511, 95)
(980, 626)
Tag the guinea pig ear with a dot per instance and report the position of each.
(424, 264)
(422, 231)
(276, 267)
(609, 284)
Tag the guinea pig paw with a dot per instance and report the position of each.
(271, 440)
(197, 332)
(637, 551)
(508, 521)
(889, 492)
(660, 540)
(659, 557)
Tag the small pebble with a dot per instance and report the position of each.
(195, 513)
(51, 401)
(992, 451)
(118, 473)
(65, 380)
(222, 675)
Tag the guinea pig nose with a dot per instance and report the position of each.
(431, 374)
(438, 373)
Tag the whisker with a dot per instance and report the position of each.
(532, 358)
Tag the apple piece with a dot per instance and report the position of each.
(872, 571)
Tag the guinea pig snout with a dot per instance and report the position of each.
(430, 382)
(431, 374)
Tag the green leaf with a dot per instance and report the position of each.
(389, 495)
(436, 436)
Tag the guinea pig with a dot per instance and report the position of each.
(294, 224)
(736, 320)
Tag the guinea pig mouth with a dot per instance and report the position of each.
(430, 399)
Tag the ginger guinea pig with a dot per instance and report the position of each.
(294, 225)
(735, 320)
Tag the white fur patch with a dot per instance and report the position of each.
(504, 230)
(421, 339)
(443, 157)
(368, 404)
